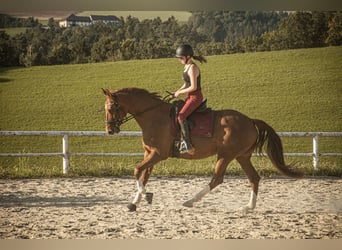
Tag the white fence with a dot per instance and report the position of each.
(66, 154)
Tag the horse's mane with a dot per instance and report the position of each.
(141, 92)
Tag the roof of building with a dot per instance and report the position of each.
(72, 17)
(104, 18)
(88, 19)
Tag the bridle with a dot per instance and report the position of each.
(117, 122)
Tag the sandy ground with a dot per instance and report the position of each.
(96, 208)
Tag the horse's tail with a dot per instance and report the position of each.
(274, 148)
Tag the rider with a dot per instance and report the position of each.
(192, 89)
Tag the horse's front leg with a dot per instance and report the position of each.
(142, 173)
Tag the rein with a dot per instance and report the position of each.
(119, 122)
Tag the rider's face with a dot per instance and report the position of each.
(183, 60)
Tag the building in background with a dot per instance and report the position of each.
(82, 21)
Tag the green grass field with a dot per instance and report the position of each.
(13, 31)
(295, 90)
(181, 16)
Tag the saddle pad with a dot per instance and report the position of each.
(202, 124)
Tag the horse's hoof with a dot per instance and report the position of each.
(131, 207)
(245, 210)
(188, 204)
(149, 197)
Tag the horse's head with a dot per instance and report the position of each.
(115, 113)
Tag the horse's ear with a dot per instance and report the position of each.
(106, 92)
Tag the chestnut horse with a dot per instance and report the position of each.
(235, 136)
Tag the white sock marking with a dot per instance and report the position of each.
(197, 197)
(252, 200)
(141, 191)
(201, 194)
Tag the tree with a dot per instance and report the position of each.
(6, 50)
(105, 49)
(334, 36)
(319, 28)
(127, 49)
(27, 59)
(296, 30)
(251, 44)
(59, 54)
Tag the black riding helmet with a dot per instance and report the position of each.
(184, 50)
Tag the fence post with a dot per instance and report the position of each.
(315, 152)
(65, 154)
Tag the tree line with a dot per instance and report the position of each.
(210, 33)
(7, 21)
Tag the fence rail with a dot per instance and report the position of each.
(66, 154)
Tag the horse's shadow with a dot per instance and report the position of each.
(19, 200)
(4, 80)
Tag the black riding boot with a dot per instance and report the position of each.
(185, 144)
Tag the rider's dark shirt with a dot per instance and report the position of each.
(186, 79)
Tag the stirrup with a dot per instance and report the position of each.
(184, 147)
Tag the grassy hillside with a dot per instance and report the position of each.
(297, 90)
(44, 16)
(181, 16)
(13, 31)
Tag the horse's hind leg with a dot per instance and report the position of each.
(253, 177)
(220, 169)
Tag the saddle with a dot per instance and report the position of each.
(200, 121)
